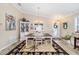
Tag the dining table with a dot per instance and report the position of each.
(43, 36)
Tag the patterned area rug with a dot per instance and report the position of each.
(18, 48)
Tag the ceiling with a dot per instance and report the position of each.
(48, 9)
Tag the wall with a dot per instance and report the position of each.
(70, 22)
(8, 37)
(70, 29)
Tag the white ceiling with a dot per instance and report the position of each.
(48, 9)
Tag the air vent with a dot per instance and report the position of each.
(19, 4)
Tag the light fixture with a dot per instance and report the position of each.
(37, 15)
(38, 19)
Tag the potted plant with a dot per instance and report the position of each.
(67, 38)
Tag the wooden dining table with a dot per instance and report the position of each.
(44, 36)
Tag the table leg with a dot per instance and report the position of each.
(74, 43)
(26, 41)
(51, 40)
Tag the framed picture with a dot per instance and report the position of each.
(55, 25)
(65, 25)
(10, 23)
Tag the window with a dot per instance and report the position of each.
(77, 24)
(39, 27)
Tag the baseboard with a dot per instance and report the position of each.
(7, 45)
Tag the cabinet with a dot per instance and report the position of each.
(24, 29)
(76, 42)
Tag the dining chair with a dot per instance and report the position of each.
(38, 40)
(47, 41)
(30, 41)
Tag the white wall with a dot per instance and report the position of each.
(8, 37)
